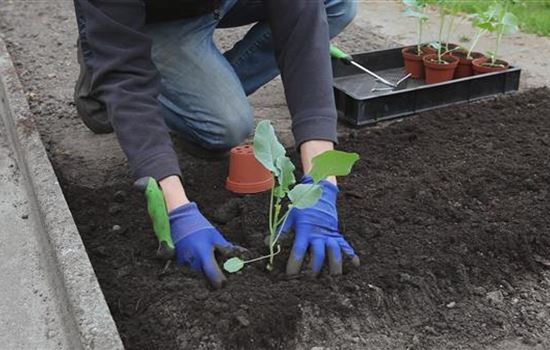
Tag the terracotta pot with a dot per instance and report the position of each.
(246, 174)
(439, 72)
(429, 50)
(465, 68)
(413, 62)
(480, 66)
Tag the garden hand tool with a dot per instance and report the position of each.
(317, 226)
(156, 206)
(196, 240)
(348, 59)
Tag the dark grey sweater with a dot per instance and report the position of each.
(125, 79)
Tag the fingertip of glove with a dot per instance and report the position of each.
(293, 267)
(355, 261)
(219, 283)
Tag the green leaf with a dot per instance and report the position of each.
(409, 12)
(332, 163)
(305, 195)
(286, 175)
(233, 265)
(267, 147)
(494, 11)
(510, 23)
(436, 45)
(488, 26)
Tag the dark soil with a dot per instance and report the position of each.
(449, 212)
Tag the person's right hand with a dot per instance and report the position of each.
(196, 240)
(317, 228)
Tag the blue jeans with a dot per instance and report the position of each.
(204, 91)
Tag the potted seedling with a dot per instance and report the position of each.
(449, 11)
(285, 193)
(452, 10)
(503, 23)
(440, 67)
(482, 21)
(412, 56)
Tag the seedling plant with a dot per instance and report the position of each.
(417, 9)
(482, 21)
(452, 10)
(444, 11)
(286, 194)
(502, 22)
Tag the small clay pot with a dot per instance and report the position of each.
(465, 68)
(481, 66)
(439, 72)
(246, 173)
(413, 62)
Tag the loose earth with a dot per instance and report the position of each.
(449, 212)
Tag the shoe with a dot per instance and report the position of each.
(92, 111)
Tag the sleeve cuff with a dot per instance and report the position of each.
(158, 167)
(315, 128)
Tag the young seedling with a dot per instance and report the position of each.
(453, 9)
(482, 21)
(417, 9)
(285, 193)
(502, 23)
(438, 45)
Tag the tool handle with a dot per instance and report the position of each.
(156, 206)
(340, 55)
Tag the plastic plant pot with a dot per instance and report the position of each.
(465, 68)
(246, 174)
(439, 72)
(481, 66)
(413, 62)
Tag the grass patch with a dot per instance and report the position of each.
(534, 15)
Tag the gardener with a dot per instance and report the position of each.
(147, 66)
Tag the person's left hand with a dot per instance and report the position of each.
(196, 240)
(317, 227)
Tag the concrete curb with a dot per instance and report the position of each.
(85, 312)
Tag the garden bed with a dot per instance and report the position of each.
(448, 212)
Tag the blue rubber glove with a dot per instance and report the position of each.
(317, 227)
(196, 240)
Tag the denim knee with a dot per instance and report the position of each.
(340, 14)
(218, 126)
(236, 129)
(228, 126)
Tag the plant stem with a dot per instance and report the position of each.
(271, 208)
(272, 229)
(449, 30)
(263, 257)
(441, 25)
(419, 33)
(281, 225)
(499, 38)
(500, 34)
(478, 36)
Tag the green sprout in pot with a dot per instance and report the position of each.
(503, 22)
(417, 9)
(452, 10)
(483, 22)
(286, 194)
(443, 6)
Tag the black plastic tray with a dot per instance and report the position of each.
(358, 105)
